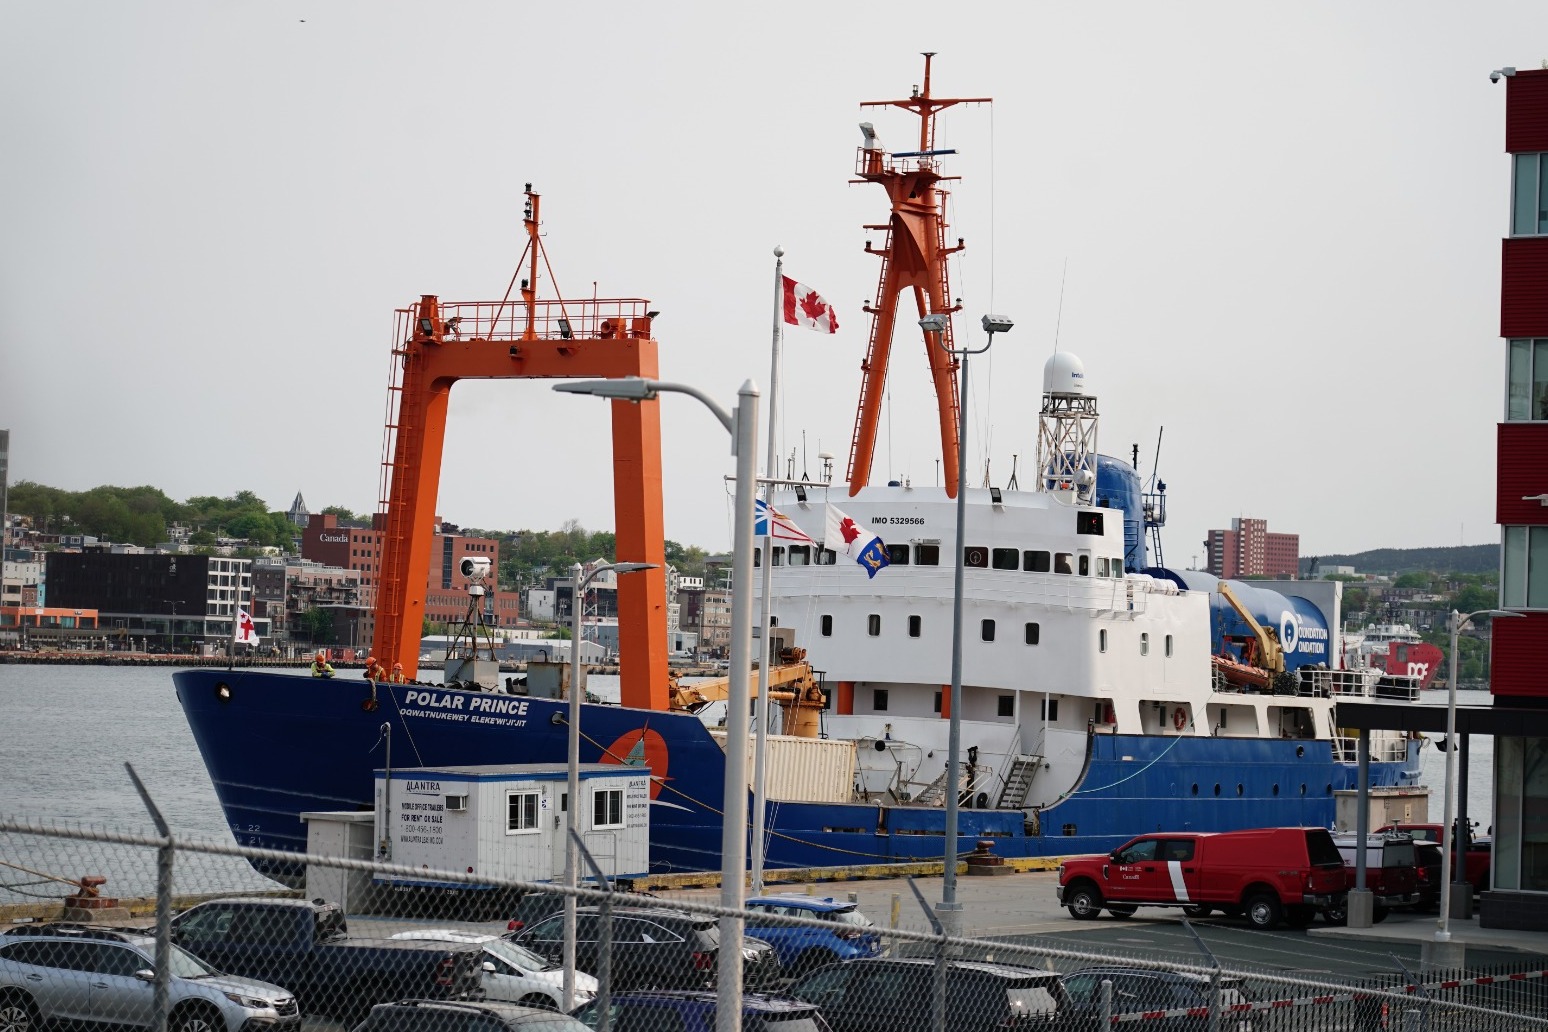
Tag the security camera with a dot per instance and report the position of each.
(1501, 73)
(1494, 76)
(474, 567)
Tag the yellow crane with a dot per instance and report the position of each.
(791, 684)
(1265, 666)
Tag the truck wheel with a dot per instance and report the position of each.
(1122, 910)
(1085, 903)
(17, 1012)
(1337, 914)
(1196, 911)
(1264, 911)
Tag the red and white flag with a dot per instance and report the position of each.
(805, 307)
(246, 632)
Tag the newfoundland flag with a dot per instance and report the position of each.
(845, 537)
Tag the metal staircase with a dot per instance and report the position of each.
(1018, 782)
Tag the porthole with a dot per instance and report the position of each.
(1195, 789)
(1330, 790)
(223, 691)
(1303, 788)
(1238, 789)
(1300, 751)
(1276, 788)
(1217, 788)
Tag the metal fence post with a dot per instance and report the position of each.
(604, 939)
(1107, 1004)
(165, 854)
(1214, 977)
(938, 990)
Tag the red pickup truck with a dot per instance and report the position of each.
(1477, 859)
(1391, 873)
(1268, 874)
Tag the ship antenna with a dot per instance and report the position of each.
(1059, 318)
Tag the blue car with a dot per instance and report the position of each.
(694, 1011)
(847, 934)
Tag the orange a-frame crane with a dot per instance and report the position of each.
(436, 345)
(913, 257)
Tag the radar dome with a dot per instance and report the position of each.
(1063, 373)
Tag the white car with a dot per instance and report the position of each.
(514, 973)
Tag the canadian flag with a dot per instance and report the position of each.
(805, 307)
(246, 633)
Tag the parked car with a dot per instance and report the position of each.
(72, 974)
(847, 933)
(885, 994)
(464, 1016)
(1391, 874)
(653, 948)
(1139, 989)
(304, 945)
(512, 973)
(1477, 859)
(694, 1011)
(1269, 874)
(532, 907)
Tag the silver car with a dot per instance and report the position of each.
(72, 974)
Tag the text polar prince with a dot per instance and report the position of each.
(480, 703)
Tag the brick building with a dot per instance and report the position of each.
(1248, 549)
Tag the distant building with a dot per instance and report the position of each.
(1249, 550)
(298, 513)
(5, 487)
(176, 600)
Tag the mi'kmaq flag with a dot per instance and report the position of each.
(771, 521)
(805, 307)
(246, 633)
(846, 537)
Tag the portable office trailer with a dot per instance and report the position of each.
(509, 820)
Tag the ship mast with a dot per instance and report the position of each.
(914, 257)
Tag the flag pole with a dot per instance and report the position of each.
(236, 611)
(761, 739)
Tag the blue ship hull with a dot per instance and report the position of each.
(277, 745)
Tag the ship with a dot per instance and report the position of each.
(1103, 694)
(1394, 649)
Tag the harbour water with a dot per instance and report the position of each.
(69, 730)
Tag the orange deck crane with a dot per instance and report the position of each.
(437, 344)
(914, 258)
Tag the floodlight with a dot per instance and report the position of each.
(997, 323)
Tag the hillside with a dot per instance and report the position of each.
(1397, 561)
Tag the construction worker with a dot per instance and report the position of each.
(397, 674)
(320, 666)
(374, 670)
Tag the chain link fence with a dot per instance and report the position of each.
(142, 929)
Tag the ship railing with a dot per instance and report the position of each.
(1388, 748)
(511, 321)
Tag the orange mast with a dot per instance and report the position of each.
(913, 257)
(437, 344)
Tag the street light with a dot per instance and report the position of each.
(1455, 622)
(742, 425)
(938, 323)
(571, 865)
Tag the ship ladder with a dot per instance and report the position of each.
(934, 793)
(1018, 782)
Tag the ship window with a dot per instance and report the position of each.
(1034, 632)
(607, 808)
(824, 557)
(1102, 640)
(873, 624)
(1528, 376)
(1007, 559)
(1102, 566)
(800, 555)
(913, 626)
(927, 555)
(1007, 706)
(521, 812)
(987, 630)
(1036, 562)
(827, 625)
(1525, 583)
(779, 557)
(1085, 566)
(1062, 563)
(878, 699)
(975, 556)
(757, 558)
(937, 702)
(1144, 643)
(1168, 646)
(1050, 709)
(1529, 196)
(897, 555)
(1088, 523)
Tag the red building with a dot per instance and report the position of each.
(358, 547)
(1518, 677)
(1249, 550)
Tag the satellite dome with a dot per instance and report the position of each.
(1063, 373)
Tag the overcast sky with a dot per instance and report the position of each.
(1276, 231)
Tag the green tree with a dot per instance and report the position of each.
(1417, 581)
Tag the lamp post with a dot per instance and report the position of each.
(938, 324)
(1455, 623)
(742, 425)
(572, 809)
